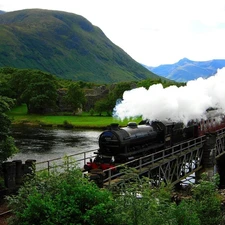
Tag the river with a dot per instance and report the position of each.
(42, 144)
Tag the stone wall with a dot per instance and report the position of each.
(93, 95)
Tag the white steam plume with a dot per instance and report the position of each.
(173, 103)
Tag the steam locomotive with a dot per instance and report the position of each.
(119, 145)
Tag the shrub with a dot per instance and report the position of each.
(62, 199)
(91, 111)
(66, 124)
(207, 201)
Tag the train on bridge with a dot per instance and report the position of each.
(118, 145)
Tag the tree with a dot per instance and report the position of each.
(7, 145)
(117, 92)
(40, 93)
(37, 89)
(103, 105)
(75, 96)
(107, 104)
(149, 82)
(5, 77)
(19, 81)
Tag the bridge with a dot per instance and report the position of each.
(170, 165)
(174, 164)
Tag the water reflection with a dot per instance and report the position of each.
(47, 143)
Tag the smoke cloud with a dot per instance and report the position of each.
(174, 103)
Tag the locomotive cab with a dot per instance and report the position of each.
(171, 132)
(165, 130)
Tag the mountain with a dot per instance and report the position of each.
(66, 45)
(186, 70)
(1, 12)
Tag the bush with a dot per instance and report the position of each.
(69, 198)
(138, 203)
(207, 201)
(62, 199)
(66, 124)
(91, 111)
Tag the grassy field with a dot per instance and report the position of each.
(18, 115)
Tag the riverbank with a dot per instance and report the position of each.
(19, 116)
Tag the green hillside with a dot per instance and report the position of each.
(66, 45)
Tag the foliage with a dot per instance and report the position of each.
(66, 124)
(75, 96)
(139, 203)
(5, 88)
(36, 89)
(91, 111)
(103, 105)
(185, 213)
(203, 207)
(118, 91)
(7, 145)
(69, 198)
(108, 103)
(66, 198)
(149, 82)
(207, 201)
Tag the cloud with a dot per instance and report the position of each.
(174, 103)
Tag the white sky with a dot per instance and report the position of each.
(152, 32)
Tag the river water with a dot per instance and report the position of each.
(42, 144)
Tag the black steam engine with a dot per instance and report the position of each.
(119, 145)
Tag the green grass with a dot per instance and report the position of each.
(18, 115)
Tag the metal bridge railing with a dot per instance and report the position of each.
(79, 159)
(60, 163)
(152, 158)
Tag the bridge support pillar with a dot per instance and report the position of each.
(221, 170)
(209, 157)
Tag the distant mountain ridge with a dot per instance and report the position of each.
(185, 70)
(66, 45)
